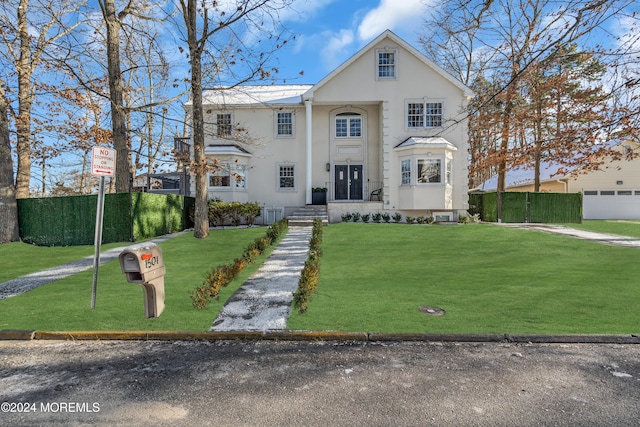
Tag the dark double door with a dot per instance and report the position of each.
(348, 182)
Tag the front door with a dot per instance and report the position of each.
(348, 182)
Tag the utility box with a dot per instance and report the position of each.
(142, 264)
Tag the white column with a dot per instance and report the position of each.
(309, 133)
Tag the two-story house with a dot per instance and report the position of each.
(384, 132)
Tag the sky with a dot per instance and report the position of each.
(328, 32)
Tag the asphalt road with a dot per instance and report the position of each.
(271, 383)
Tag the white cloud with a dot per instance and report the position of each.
(337, 45)
(303, 10)
(391, 14)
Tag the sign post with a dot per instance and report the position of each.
(103, 163)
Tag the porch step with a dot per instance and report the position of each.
(307, 214)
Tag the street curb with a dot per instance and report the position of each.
(9, 335)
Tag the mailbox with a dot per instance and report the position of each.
(142, 264)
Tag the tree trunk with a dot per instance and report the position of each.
(118, 119)
(201, 217)
(25, 99)
(8, 204)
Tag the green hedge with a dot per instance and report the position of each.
(71, 220)
(529, 207)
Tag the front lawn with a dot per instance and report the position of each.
(488, 279)
(66, 304)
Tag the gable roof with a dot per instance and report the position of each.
(388, 34)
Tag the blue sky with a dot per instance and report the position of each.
(330, 31)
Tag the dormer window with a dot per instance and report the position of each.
(387, 61)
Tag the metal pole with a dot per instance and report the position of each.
(97, 241)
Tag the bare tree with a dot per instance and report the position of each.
(8, 204)
(514, 35)
(218, 34)
(23, 52)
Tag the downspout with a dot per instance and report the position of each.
(308, 139)
(565, 183)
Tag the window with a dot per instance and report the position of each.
(424, 114)
(405, 166)
(227, 176)
(286, 177)
(220, 177)
(284, 124)
(386, 61)
(223, 124)
(348, 125)
(429, 171)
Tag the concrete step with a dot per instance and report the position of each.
(307, 214)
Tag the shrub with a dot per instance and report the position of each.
(386, 217)
(311, 272)
(355, 217)
(222, 275)
(250, 211)
(365, 217)
(430, 220)
(346, 217)
(410, 220)
(397, 217)
(420, 220)
(377, 217)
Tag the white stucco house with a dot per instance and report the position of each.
(388, 121)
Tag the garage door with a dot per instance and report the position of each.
(611, 204)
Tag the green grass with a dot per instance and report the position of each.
(623, 228)
(488, 279)
(20, 258)
(66, 304)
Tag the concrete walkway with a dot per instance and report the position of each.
(611, 239)
(263, 302)
(31, 281)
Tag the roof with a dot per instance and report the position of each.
(525, 175)
(427, 142)
(392, 36)
(221, 149)
(255, 95)
(549, 171)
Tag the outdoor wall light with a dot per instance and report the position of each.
(328, 167)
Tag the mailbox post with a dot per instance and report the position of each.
(143, 264)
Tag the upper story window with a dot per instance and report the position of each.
(223, 124)
(348, 125)
(424, 114)
(284, 124)
(387, 63)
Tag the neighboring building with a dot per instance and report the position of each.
(611, 192)
(388, 121)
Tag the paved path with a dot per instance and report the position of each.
(31, 281)
(611, 239)
(263, 302)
